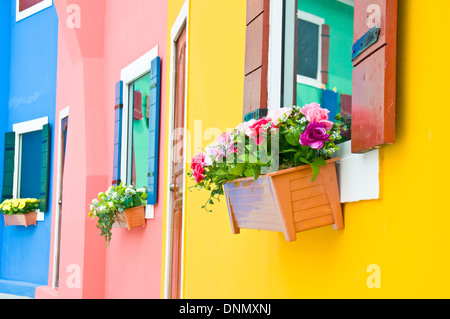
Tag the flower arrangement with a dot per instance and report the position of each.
(115, 200)
(19, 206)
(285, 138)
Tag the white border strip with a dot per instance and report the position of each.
(57, 230)
(181, 21)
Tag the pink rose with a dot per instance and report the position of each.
(198, 160)
(257, 128)
(278, 114)
(314, 113)
(198, 173)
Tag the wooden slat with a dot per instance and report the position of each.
(252, 200)
(308, 192)
(260, 209)
(266, 218)
(300, 183)
(248, 191)
(312, 213)
(254, 9)
(261, 226)
(314, 223)
(315, 201)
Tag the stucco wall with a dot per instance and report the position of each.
(405, 232)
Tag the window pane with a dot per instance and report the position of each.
(30, 165)
(307, 49)
(139, 148)
(25, 4)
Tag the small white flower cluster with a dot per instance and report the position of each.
(336, 135)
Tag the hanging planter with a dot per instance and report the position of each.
(286, 201)
(130, 218)
(276, 172)
(120, 206)
(20, 212)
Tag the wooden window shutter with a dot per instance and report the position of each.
(256, 58)
(154, 114)
(374, 74)
(45, 168)
(325, 52)
(8, 166)
(118, 107)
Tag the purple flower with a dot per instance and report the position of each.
(315, 136)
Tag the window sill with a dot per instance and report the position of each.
(309, 81)
(358, 174)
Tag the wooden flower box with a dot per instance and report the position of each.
(130, 218)
(286, 201)
(21, 219)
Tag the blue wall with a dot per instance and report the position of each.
(31, 94)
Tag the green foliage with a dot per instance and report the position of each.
(237, 154)
(115, 199)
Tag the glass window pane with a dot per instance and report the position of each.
(139, 147)
(307, 49)
(30, 165)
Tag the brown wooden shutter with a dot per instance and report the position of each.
(256, 56)
(325, 52)
(374, 75)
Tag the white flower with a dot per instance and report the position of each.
(141, 190)
(95, 201)
(102, 208)
(130, 191)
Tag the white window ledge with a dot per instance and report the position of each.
(358, 174)
(20, 15)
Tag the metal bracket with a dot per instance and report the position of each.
(365, 42)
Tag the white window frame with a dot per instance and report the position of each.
(20, 15)
(317, 82)
(128, 75)
(19, 129)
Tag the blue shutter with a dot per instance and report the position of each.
(117, 132)
(155, 92)
(45, 168)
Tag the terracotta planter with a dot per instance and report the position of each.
(286, 201)
(21, 219)
(132, 217)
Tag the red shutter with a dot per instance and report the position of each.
(374, 76)
(325, 52)
(25, 4)
(256, 55)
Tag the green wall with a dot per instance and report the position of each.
(340, 18)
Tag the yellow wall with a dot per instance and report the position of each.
(406, 232)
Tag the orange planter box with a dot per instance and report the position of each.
(286, 201)
(21, 219)
(132, 217)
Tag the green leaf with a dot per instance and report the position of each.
(291, 150)
(256, 172)
(248, 172)
(316, 171)
(238, 169)
(293, 138)
(319, 161)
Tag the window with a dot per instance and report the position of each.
(309, 49)
(136, 133)
(26, 8)
(321, 65)
(27, 162)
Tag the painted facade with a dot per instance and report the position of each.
(28, 77)
(393, 246)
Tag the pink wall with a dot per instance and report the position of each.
(89, 63)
